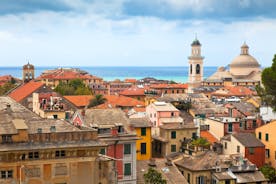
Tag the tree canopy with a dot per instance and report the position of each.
(74, 87)
(269, 172)
(97, 100)
(269, 82)
(154, 177)
(7, 87)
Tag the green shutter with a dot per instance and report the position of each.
(173, 134)
(260, 135)
(127, 169)
(127, 148)
(266, 137)
(143, 131)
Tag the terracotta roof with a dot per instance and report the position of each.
(62, 74)
(139, 109)
(207, 135)
(25, 90)
(234, 91)
(79, 100)
(114, 101)
(134, 91)
(169, 86)
(131, 80)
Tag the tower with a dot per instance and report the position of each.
(195, 66)
(28, 72)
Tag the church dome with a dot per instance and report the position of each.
(244, 64)
(196, 42)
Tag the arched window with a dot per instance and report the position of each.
(191, 69)
(197, 69)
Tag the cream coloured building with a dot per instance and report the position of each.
(244, 70)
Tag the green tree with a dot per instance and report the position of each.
(74, 87)
(154, 177)
(269, 82)
(6, 87)
(201, 143)
(97, 100)
(184, 105)
(269, 173)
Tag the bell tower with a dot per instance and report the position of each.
(28, 72)
(195, 66)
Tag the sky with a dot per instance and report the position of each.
(134, 32)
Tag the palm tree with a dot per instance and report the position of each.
(97, 100)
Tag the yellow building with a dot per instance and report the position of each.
(142, 127)
(266, 134)
(171, 137)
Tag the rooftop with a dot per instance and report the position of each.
(25, 90)
(15, 116)
(169, 173)
(162, 106)
(105, 118)
(248, 139)
(140, 122)
(79, 100)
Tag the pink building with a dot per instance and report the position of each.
(162, 112)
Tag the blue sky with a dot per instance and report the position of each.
(134, 32)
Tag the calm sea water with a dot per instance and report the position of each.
(178, 74)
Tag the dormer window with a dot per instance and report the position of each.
(6, 138)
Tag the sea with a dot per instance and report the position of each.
(109, 73)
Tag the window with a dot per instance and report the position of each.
(230, 127)
(33, 155)
(155, 115)
(227, 181)
(191, 68)
(267, 153)
(200, 180)
(173, 134)
(173, 148)
(266, 137)
(127, 169)
(260, 135)
(238, 149)
(143, 131)
(6, 174)
(172, 91)
(194, 136)
(188, 177)
(102, 151)
(251, 151)
(60, 153)
(241, 125)
(225, 145)
(197, 69)
(127, 149)
(143, 148)
(254, 123)
(6, 138)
